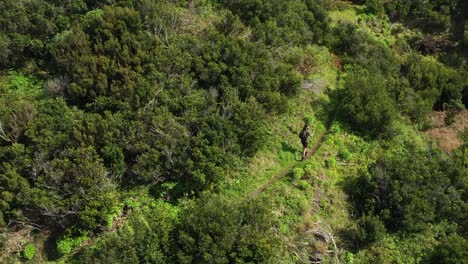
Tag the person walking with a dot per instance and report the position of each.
(304, 136)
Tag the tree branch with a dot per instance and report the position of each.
(3, 135)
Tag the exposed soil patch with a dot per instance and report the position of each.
(448, 136)
(15, 242)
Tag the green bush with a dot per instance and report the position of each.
(335, 128)
(282, 22)
(310, 168)
(374, 7)
(436, 84)
(79, 180)
(430, 16)
(110, 219)
(368, 105)
(146, 237)
(330, 163)
(67, 244)
(344, 154)
(304, 185)
(27, 86)
(217, 230)
(463, 135)
(29, 251)
(131, 203)
(347, 257)
(298, 173)
(310, 119)
(408, 191)
(451, 250)
(369, 230)
(114, 213)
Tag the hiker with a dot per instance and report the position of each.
(304, 136)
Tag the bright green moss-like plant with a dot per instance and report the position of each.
(66, 244)
(29, 252)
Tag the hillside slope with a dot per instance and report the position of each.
(167, 131)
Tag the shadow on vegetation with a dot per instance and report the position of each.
(288, 148)
(50, 246)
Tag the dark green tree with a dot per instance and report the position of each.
(411, 188)
(146, 237)
(451, 250)
(367, 104)
(216, 230)
(73, 188)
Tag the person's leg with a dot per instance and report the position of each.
(304, 153)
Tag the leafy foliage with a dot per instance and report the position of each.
(412, 188)
(370, 229)
(219, 231)
(102, 100)
(433, 16)
(146, 237)
(67, 244)
(368, 105)
(450, 250)
(284, 22)
(79, 190)
(29, 251)
(439, 85)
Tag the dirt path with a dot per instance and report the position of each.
(289, 168)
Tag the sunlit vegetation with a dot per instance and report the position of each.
(166, 131)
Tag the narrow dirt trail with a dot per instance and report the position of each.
(289, 168)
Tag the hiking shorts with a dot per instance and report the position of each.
(305, 144)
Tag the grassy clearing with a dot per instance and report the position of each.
(282, 152)
(377, 27)
(349, 15)
(311, 207)
(312, 212)
(283, 149)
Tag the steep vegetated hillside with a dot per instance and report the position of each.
(157, 131)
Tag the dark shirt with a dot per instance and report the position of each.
(305, 138)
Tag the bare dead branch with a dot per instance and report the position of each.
(151, 102)
(3, 135)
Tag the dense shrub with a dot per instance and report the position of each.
(411, 188)
(280, 23)
(435, 83)
(368, 106)
(374, 7)
(370, 229)
(138, 99)
(146, 237)
(217, 230)
(451, 250)
(434, 16)
(100, 99)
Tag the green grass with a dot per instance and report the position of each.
(347, 15)
(308, 196)
(22, 85)
(379, 28)
(283, 148)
